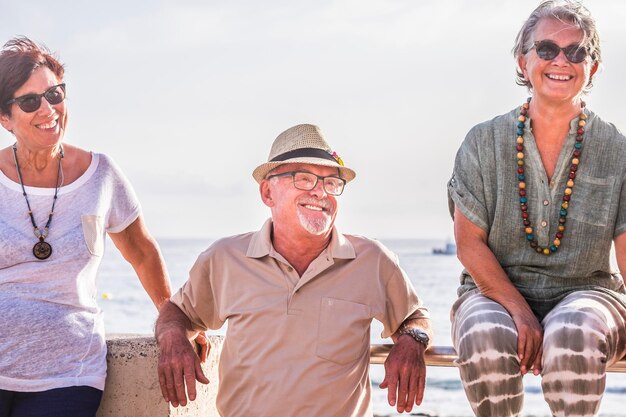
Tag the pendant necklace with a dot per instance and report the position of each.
(42, 249)
(569, 187)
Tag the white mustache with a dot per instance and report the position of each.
(323, 203)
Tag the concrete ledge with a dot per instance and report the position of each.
(132, 385)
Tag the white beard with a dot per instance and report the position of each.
(318, 226)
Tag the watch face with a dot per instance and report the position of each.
(420, 336)
(416, 333)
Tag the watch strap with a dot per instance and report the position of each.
(416, 333)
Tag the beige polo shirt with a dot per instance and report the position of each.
(296, 346)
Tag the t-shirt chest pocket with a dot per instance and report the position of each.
(93, 227)
(343, 331)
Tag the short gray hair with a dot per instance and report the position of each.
(570, 11)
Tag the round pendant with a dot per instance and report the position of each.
(42, 250)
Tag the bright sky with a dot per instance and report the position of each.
(188, 95)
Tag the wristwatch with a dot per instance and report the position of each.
(416, 333)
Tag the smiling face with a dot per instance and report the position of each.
(43, 128)
(308, 212)
(556, 80)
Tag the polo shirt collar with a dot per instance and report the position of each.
(340, 247)
(261, 244)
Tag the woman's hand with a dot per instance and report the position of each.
(529, 341)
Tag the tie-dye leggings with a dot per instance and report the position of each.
(583, 334)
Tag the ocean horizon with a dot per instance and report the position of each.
(128, 309)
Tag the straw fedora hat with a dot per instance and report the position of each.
(302, 144)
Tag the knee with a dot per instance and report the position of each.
(495, 340)
(488, 343)
(575, 338)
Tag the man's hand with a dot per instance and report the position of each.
(179, 365)
(405, 373)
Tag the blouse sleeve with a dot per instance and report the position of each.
(620, 224)
(466, 187)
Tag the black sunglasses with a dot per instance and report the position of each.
(31, 102)
(549, 50)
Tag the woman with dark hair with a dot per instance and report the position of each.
(57, 202)
(538, 197)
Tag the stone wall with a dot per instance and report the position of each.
(132, 385)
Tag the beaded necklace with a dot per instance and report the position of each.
(42, 249)
(567, 194)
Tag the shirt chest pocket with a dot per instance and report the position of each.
(93, 229)
(591, 199)
(343, 331)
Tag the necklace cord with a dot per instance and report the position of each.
(41, 235)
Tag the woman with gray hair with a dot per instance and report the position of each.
(538, 197)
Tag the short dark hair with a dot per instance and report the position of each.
(19, 58)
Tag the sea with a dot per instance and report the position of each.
(127, 309)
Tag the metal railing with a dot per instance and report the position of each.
(445, 355)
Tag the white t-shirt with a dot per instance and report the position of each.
(51, 329)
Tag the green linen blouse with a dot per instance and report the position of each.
(484, 187)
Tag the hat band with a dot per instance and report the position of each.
(303, 153)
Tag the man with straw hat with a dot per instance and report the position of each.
(299, 298)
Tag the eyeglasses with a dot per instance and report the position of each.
(307, 181)
(548, 50)
(31, 102)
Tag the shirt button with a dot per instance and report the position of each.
(546, 202)
(544, 223)
(289, 269)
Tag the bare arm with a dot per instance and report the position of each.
(492, 281)
(179, 365)
(140, 249)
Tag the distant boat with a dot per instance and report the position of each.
(450, 249)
